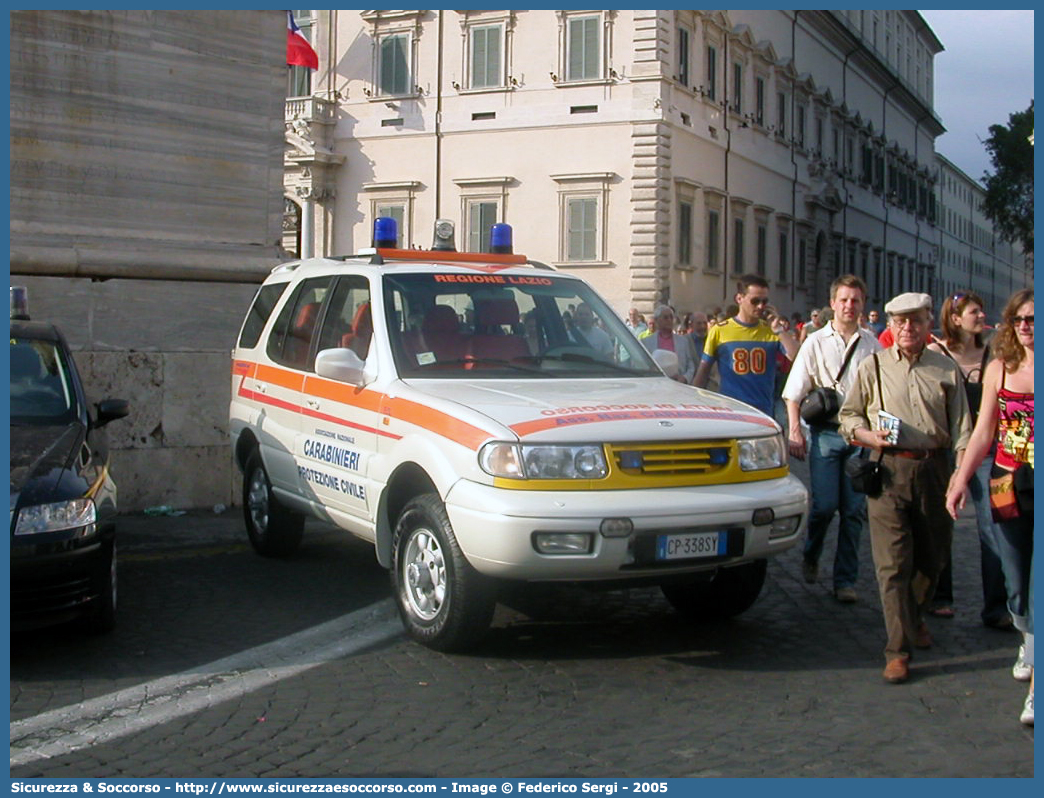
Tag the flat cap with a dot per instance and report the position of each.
(909, 303)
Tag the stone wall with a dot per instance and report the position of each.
(173, 449)
(149, 144)
(166, 348)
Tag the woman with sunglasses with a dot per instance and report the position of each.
(962, 320)
(1006, 416)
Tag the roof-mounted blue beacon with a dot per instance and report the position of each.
(19, 303)
(500, 239)
(385, 233)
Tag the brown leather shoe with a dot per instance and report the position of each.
(923, 639)
(897, 670)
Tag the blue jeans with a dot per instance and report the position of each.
(1015, 545)
(832, 493)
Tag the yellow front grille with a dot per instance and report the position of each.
(642, 465)
(695, 458)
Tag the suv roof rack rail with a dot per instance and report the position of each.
(538, 265)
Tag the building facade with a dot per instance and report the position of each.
(658, 153)
(972, 256)
(145, 186)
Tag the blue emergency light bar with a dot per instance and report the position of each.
(500, 239)
(385, 232)
(386, 236)
(19, 302)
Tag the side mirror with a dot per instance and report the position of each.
(342, 365)
(110, 410)
(667, 361)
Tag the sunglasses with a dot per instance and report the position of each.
(757, 302)
(1017, 320)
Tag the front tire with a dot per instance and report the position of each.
(273, 530)
(730, 592)
(444, 603)
(101, 618)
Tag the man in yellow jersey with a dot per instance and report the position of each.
(745, 347)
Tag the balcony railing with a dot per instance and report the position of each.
(311, 109)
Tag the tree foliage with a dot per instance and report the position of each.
(1009, 190)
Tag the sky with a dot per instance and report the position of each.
(984, 75)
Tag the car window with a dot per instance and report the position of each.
(455, 325)
(261, 308)
(41, 382)
(291, 337)
(348, 322)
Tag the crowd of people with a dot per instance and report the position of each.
(899, 425)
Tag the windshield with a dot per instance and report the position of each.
(455, 325)
(41, 388)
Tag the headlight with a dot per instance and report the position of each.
(756, 454)
(55, 517)
(501, 460)
(543, 462)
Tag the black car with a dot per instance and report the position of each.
(63, 499)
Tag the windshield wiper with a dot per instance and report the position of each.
(481, 361)
(576, 357)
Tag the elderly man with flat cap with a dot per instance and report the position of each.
(908, 406)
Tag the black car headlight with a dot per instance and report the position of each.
(56, 516)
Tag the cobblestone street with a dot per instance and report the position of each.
(568, 683)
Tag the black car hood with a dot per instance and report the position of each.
(39, 451)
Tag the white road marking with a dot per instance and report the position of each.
(108, 717)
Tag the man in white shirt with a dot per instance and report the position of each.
(635, 322)
(817, 365)
(586, 333)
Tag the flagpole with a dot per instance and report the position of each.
(438, 127)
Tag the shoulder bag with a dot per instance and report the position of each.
(821, 404)
(1004, 504)
(866, 475)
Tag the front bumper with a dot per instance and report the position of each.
(56, 577)
(495, 527)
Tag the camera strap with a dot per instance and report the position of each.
(848, 358)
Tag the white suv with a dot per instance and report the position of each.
(478, 418)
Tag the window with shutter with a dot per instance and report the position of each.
(582, 232)
(584, 55)
(394, 67)
(486, 61)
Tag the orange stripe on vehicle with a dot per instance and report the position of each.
(560, 422)
(342, 392)
(265, 399)
(284, 378)
(464, 258)
(436, 421)
(343, 422)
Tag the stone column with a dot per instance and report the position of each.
(307, 196)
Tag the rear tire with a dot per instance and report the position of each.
(273, 530)
(730, 592)
(444, 603)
